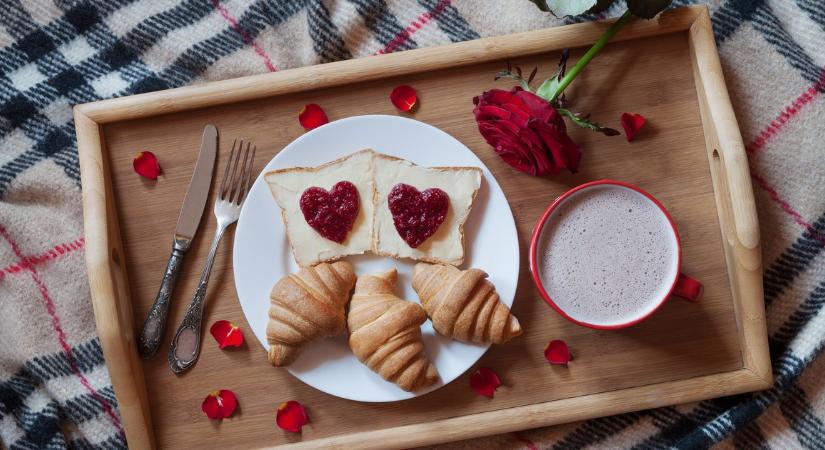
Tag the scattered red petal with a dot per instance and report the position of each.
(291, 416)
(484, 382)
(227, 334)
(557, 353)
(312, 116)
(404, 98)
(146, 165)
(220, 404)
(632, 123)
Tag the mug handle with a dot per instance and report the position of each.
(688, 288)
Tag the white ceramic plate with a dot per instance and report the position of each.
(262, 254)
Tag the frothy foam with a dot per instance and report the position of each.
(607, 255)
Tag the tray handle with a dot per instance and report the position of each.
(108, 286)
(716, 106)
(734, 196)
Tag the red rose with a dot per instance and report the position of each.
(526, 131)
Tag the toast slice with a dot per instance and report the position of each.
(446, 245)
(308, 246)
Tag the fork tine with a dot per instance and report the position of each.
(248, 176)
(231, 183)
(226, 171)
(236, 183)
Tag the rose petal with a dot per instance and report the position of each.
(491, 112)
(404, 98)
(519, 117)
(563, 150)
(291, 416)
(146, 165)
(632, 123)
(220, 404)
(229, 402)
(312, 116)
(557, 352)
(227, 334)
(540, 108)
(210, 407)
(500, 97)
(484, 382)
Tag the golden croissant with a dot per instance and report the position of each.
(385, 333)
(305, 306)
(463, 304)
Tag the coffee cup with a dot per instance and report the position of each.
(607, 255)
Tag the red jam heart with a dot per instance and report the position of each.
(331, 213)
(417, 215)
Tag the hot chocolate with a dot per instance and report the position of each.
(607, 255)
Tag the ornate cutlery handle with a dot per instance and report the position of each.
(155, 324)
(186, 345)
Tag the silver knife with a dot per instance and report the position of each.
(190, 216)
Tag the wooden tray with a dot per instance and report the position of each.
(690, 156)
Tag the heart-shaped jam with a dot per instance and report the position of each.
(417, 215)
(331, 213)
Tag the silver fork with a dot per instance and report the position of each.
(186, 344)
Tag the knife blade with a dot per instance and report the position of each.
(193, 204)
(191, 212)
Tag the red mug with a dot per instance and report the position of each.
(681, 285)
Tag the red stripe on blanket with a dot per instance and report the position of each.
(61, 335)
(53, 253)
(774, 194)
(770, 131)
(527, 442)
(414, 26)
(233, 22)
(787, 114)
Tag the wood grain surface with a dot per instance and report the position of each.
(684, 352)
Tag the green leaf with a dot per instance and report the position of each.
(647, 9)
(548, 89)
(561, 8)
(601, 5)
(585, 123)
(514, 76)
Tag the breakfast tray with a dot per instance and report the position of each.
(690, 156)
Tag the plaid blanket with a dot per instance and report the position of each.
(54, 387)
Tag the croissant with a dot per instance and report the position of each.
(463, 304)
(305, 306)
(385, 333)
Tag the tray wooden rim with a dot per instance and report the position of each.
(729, 170)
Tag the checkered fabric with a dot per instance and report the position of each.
(54, 387)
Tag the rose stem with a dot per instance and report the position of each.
(595, 49)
